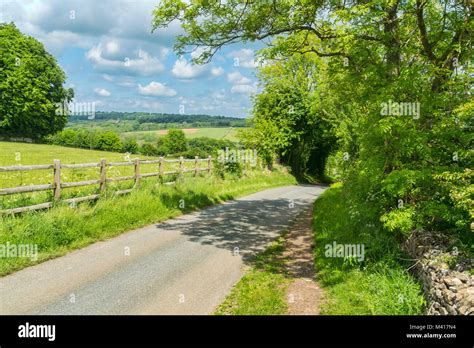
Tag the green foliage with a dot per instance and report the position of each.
(109, 141)
(148, 150)
(89, 139)
(31, 87)
(380, 284)
(204, 147)
(228, 169)
(286, 123)
(339, 67)
(130, 146)
(176, 140)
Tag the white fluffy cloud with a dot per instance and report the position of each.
(243, 58)
(237, 78)
(244, 89)
(102, 92)
(217, 71)
(183, 69)
(241, 84)
(156, 89)
(141, 63)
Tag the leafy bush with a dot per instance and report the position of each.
(130, 146)
(148, 149)
(109, 141)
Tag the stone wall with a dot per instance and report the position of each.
(447, 282)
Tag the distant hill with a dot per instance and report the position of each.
(144, 117)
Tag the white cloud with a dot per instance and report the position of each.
(244, 89)
(112, 47)
(237, 78)
(146, 104)
(107, 77)
(142, 64)
(183, 69)
(156, 89)
(243, 58)
(102, 92)
(217, 71)
(218, 95)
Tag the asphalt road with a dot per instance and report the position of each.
(186, 265)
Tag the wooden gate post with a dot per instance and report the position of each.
(103, 175)
(209, 164)
(57, 180)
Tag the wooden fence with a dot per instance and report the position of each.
(57, 185)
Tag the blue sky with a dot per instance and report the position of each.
(111, 58)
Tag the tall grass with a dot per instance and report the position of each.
(381, 284)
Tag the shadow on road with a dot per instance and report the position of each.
(245, 226)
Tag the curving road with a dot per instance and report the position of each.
(185, 265)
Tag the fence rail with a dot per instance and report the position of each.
(57, 184)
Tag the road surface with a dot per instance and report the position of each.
(186, 265)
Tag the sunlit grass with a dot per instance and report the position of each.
(381, 284)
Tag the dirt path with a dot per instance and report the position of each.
(304, 294)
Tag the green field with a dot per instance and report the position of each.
(12, 153)
(216, 133)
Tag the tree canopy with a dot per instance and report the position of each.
(393, 78)
(31, 87)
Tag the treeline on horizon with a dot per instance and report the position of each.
(173, 144)
(195, 120)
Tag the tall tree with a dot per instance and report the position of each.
(31, 87)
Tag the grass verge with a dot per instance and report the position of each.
(65, 228)
(380, 284)
(262, 290)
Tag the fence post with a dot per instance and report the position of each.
(209, 164)
(103, 175)
(160, 168)
(196, 165)
(137, 172)
(57, 180)
(181, 165)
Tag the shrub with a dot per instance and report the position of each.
(148, 149)
(130, 145)
(109, 141)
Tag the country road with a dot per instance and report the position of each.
(186, 265)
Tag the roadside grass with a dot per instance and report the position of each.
(262, 290)
(381, 283)
(65, 228)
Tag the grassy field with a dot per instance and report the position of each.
(27, 154)
(216, 133)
